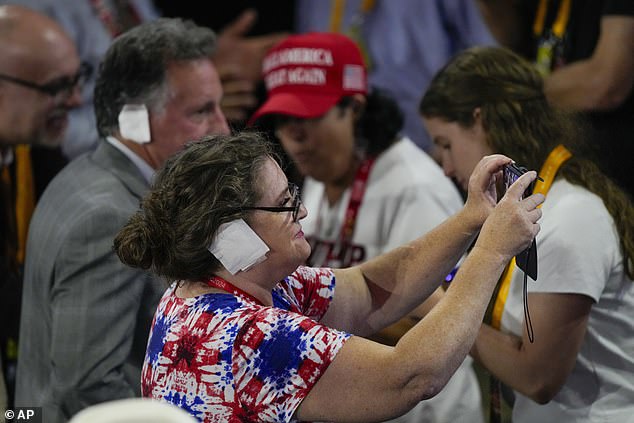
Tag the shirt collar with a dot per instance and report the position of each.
(145, 169)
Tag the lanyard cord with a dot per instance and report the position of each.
(338, 7)
(358, 187)
(354, 28)
(559, 26)
(548, 172)
(218, 282)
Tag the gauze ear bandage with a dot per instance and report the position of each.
(134, 123)
(237, 246)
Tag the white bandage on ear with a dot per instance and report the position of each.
(134, 123)
(237, 246)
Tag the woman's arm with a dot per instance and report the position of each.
(605, 79)
(372, 382)
(539, 369)
(380, 291)
(377, 293)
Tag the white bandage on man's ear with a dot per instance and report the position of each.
(237, 246)
(134, 123)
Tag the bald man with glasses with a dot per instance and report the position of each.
(40, 73)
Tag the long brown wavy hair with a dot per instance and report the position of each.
(520, 123)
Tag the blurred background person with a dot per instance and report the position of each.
(245, 332)
(85, 316)
(92, 25)
(248, 28)
(242, 42)
(40, 79)
(370, 188)
(585, 50)
(404, 42)
(580, 367)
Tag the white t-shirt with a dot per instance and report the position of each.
(578, 252)
(406, 195)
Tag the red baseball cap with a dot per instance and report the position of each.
(307, 74)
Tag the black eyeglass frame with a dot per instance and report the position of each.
(297, 203)
(58, 85)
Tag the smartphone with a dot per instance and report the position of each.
(511, 173)
(527, 259)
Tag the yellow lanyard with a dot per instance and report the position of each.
(559, 27)
(548, 172)
(24, 198)
(356, 24)
(338, 7)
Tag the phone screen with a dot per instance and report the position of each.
(511, 173)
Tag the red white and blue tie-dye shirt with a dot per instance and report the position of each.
(227, 358)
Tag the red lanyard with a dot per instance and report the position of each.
(217, 282)
(359, 185)
(109, 20)
(356, 197)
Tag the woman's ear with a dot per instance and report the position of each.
(477, 115)
(358, 105)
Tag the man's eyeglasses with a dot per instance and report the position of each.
(58, 87)
(297, 203)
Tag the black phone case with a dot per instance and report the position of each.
(527, 260)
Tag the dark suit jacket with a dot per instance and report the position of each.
(85, 316)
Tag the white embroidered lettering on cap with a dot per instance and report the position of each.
(238, 247)
(275, 79)
(134, 123)
(307, 76)
(298, 56)
(295, 76)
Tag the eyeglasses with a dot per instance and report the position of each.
(60, 87)
(297, 202)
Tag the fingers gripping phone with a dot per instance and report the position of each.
(527, 259)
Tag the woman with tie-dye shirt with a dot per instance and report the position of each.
(244, 333)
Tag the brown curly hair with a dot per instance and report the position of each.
(196, 191)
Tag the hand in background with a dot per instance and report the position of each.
(238, 59)
(244, 53)
(239, 96)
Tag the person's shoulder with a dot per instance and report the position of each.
(565, 198)
(572, 210)
(306, 273)
(84, 182)
(83, 199)
(405, 160)
(406, 168)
